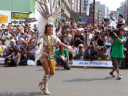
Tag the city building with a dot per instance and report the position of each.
(121, 10)
(103, 8)
(98, 15)
(116, 14)
(85, 4)
(101, 11)
(16, 10)
(67, 8)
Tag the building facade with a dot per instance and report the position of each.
(101, 10)
(16, 10)
(18, 5)
(98, 15)
(67, 8)
(85, 4)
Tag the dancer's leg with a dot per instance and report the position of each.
(44, 83)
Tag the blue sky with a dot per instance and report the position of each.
(112, 4)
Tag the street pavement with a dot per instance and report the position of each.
(23, 81)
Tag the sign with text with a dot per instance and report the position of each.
(19, 16)
(92, 63)
(18, 22)
(3, 19)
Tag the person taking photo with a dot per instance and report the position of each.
(117, 53)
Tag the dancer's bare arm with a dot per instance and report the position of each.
(40, 47)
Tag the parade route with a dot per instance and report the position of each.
(23, 81)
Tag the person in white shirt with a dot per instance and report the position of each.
(120, 21)
(58, 32)
(4, 49)
(108, 44)
(90, 36)
(107, 23)
(6, 38)
(112, 18)
(67, 37)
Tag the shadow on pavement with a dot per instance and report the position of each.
(21, 94)
(88, 80)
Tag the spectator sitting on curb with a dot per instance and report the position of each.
(62, 57)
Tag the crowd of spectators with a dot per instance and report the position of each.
(15, 42)
(88, 42)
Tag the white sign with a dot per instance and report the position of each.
(2, 60)
(8, 14)
(92, 63)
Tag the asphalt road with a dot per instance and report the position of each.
(23, 81)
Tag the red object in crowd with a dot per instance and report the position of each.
(31, 40)
(73, 30)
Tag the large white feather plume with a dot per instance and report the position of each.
(48, 13)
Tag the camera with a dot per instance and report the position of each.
(112, 31)
(65, 34)
(86, 30)
(21, 47)
(98, 33)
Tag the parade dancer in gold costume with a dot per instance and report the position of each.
(48, 14)
(48, 41)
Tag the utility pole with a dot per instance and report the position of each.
(98, 16)
(80, 12)
(93, 12)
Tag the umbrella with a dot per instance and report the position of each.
(30, 20)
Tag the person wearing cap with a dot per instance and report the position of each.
(67, 37)
(117, 53)
(58, 32)
(120, 21)
(107, 23)
(33, 33)
(15, 58)
(80, 53)
(20, 34)
(2, 26)
(13, 45)
(78, 38)
(6, 38)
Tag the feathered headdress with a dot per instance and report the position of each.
(49, 12)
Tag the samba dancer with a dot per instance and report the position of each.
(48, 14)
(48, 41)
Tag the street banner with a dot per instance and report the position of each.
(80, 63)
(19, 16)
(5, 17)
